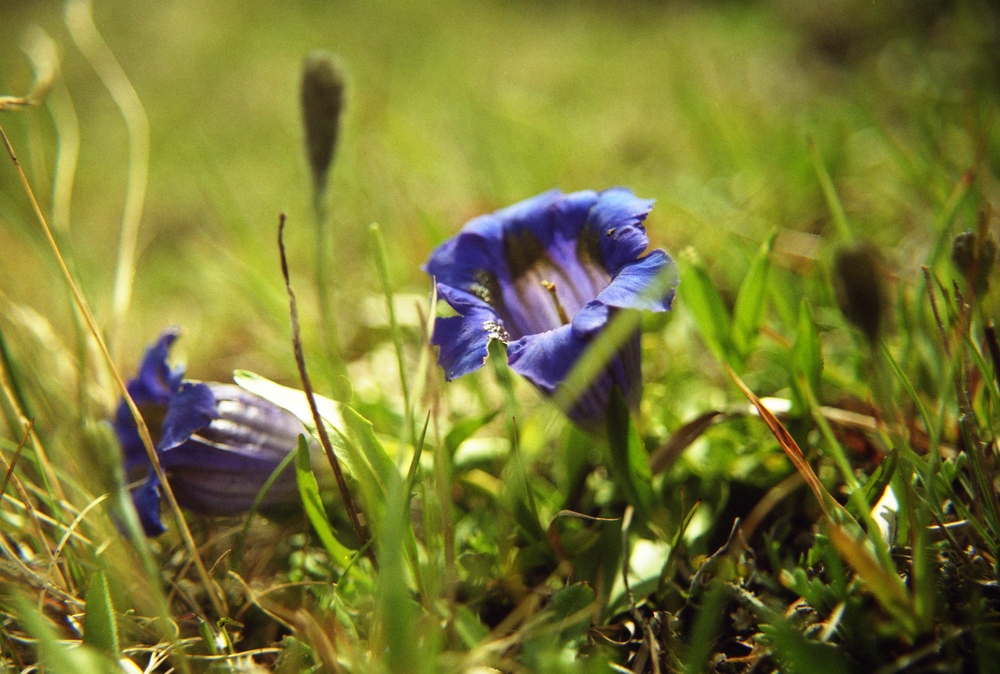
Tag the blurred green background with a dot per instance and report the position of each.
(457, 108)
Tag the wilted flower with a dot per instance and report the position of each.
(217, 443)
(544, 276)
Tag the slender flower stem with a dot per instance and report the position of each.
(328, 323)
(382, 260)
(324, 438)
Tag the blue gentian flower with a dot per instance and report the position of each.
(544, 276)
(217, 443)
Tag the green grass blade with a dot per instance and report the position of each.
(629, 462)
(830, 193)
(751, 301)
(271, 479)
(701, 298)
(382, 262)
(313, 505)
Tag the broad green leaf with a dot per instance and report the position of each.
(629, 461)
(290, 399)
(313, 505)
(295, 401)
(364, 433)
(751, 301)
(699, 295)
(100, 626)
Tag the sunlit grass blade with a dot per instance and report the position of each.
(382, 262)
(806, 358)
(363, 432)
(791, 449)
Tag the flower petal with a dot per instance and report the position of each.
(616, 219)
(459, 300)
(146, 499)
(479, 246)
(218, 469)
(629, 289)
(213, 480)
(591, 318)
(251, 426)
(569, 214)
(546, 358)
(464, 341)
(191, 409)
(152, 387)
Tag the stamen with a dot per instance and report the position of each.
(551, 287)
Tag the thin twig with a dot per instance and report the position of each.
(324, 438)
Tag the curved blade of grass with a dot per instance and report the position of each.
(830, 193)
(271, 479)
(791, 448)
(382, 262)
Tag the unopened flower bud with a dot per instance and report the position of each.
(322, 100)
(975, 258)
(217, 443)
(860, 289)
